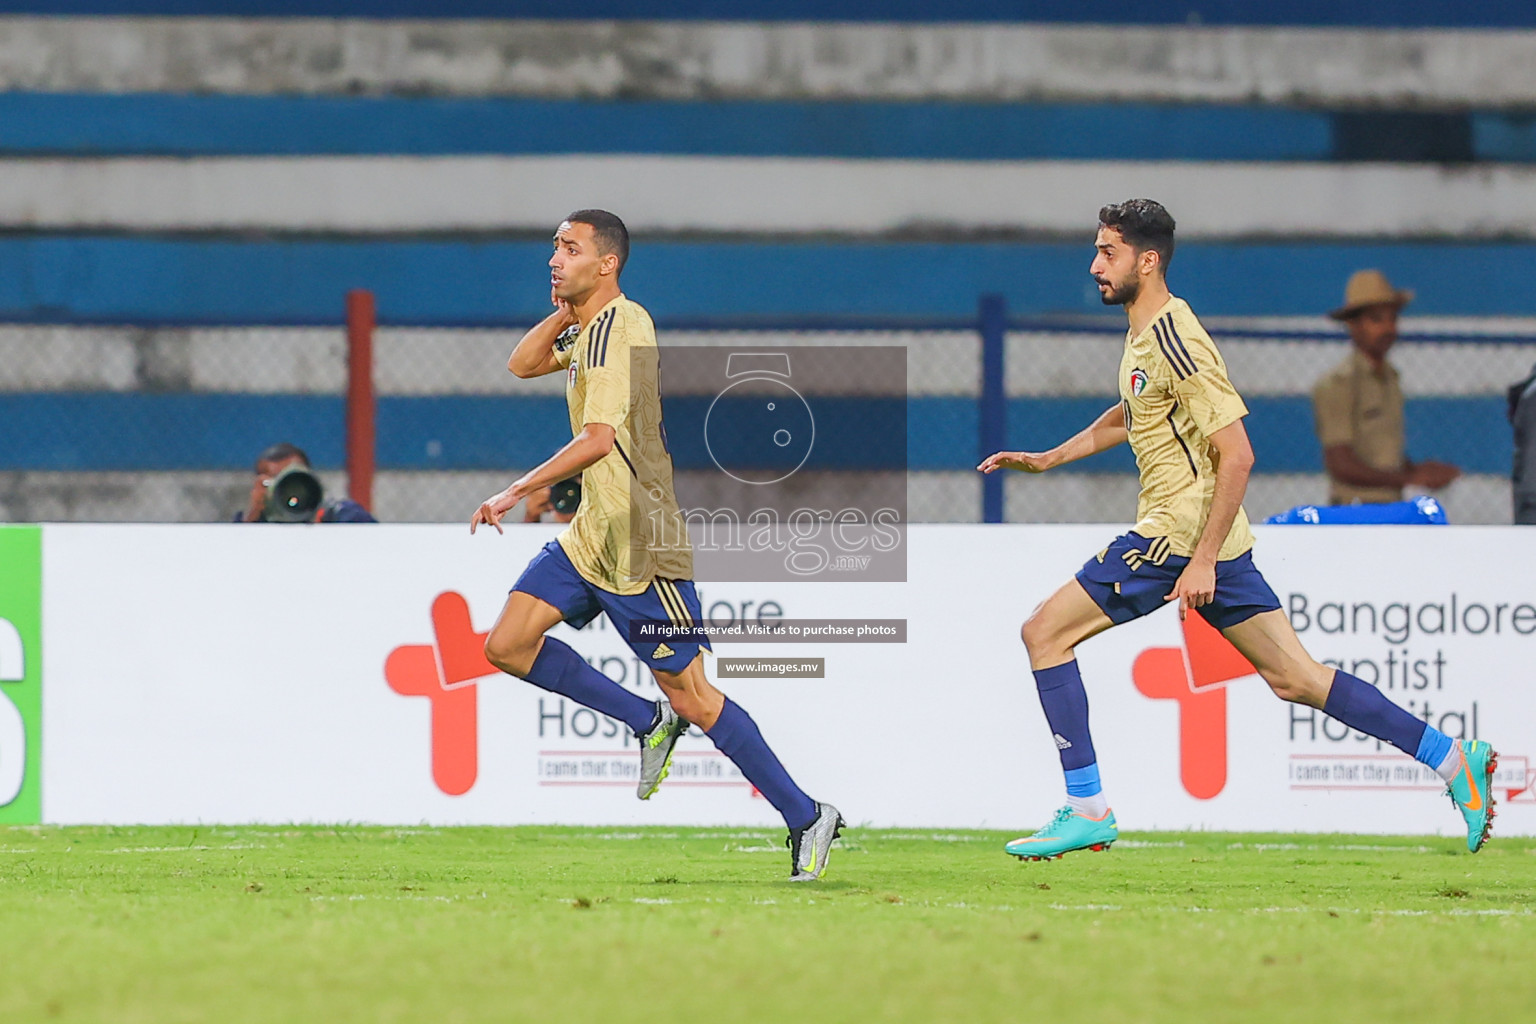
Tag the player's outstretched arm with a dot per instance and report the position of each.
(584, 450)
(534, 354)
(1103, 433)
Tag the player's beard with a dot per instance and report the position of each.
(1121, 294)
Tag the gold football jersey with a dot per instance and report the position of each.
(1175, 394)
(627, 530)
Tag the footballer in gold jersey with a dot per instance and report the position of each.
(627, 531)
(625, 554)
(1190, 545)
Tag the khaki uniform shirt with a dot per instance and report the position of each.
(1355, 405)
(1175, 394)
(627, 530)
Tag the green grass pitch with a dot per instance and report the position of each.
(268, 924)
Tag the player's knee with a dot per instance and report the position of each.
(1282, 684)
(1295, 684)
(1037, 633)
(509, 654)
(687, 705)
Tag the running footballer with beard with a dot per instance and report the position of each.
(1191, 544)
(612, 559)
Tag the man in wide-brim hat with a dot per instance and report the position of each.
(1359, 405)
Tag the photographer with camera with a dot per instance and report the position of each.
(558, 499)
(286, 490)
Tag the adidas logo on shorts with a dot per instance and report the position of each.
(662, 651)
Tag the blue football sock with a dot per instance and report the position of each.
(1434, 748)
(1361, 706)
(1084, 781)
(1066, 709)
(561, 670)
(738, 738)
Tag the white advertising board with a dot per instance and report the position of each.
(234, 674)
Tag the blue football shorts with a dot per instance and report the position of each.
(1134, 575)
(552, 578)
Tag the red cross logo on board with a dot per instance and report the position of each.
(1196, 676)
(445, 672)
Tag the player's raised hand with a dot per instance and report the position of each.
(1028, 462)
(1196, 586)
(493, 508)
(563, 307)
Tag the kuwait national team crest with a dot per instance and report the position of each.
(1138, 382)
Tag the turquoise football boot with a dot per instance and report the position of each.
(1471, 790)
(1068, 831)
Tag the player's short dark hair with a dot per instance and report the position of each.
(611, 234)
(282, 452)
(1144, 224)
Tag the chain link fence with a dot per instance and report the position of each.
(164, 423)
